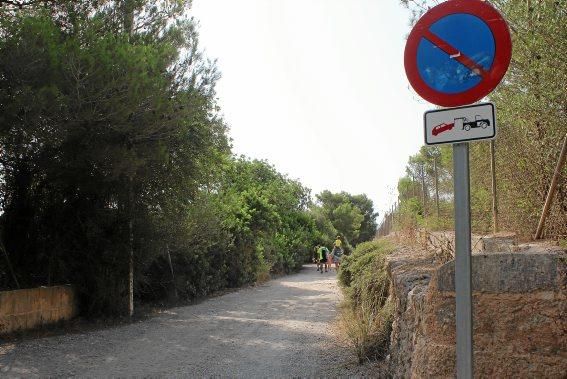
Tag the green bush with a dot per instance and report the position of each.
(366, 314)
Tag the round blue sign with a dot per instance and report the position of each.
(458, 52)
(449, 75)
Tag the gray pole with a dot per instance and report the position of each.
(463, 291)
(494, 196)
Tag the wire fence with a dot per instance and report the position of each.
(509, 198)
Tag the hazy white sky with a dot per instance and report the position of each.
(317, 88)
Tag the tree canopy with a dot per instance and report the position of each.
(116, 173)
(351, 216)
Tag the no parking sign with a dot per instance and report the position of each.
(458, 52)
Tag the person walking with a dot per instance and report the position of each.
(322, 255)
(329, 260)
(337, 257)
(337, 252)
(316, 255)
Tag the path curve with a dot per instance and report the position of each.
(280, 329)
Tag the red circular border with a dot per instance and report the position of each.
(503, 52)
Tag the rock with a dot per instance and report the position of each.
(500, 242)
(506, 272)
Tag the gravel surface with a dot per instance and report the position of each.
(284, 328)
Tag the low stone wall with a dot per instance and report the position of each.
(503, 242)
(31, 308)
(519, 315)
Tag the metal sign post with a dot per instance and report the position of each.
(463, 290)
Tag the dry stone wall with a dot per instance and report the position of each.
(519, 316)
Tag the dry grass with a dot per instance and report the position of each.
(366, 314)
(366, 331)
(441, 244)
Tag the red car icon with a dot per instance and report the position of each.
(441, 128)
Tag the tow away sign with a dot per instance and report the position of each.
(461, 124)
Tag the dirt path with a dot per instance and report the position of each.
(280, 329)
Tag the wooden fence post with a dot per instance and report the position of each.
(552, 188)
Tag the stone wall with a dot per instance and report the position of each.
(519, 315)
(31, 308)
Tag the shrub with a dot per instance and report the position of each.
(366, 313)
(368, 333)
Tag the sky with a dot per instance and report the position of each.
(317, 88)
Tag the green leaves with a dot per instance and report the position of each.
(351, 216)
(101, 128)
(265, 211)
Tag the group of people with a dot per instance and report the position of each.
(325, 258)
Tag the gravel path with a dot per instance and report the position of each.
(280, 329)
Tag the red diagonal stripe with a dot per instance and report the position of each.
(446, 47)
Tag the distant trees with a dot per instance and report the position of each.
(351, 216)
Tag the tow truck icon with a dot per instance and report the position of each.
(463, 123)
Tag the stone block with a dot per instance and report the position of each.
(33, 319)
(45, 298)
(16, 322)
(519, 322)
(500, 243)
(34, 299)
(507, 272)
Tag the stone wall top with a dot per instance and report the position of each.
(510, 272)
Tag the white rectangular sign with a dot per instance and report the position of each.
(461, 124)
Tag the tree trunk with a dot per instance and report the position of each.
(172, 274)
(130, 249)
(10, 265)
(423, 190)
(128, 23)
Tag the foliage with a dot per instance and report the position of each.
(94, 122)
(112, 148)
(267, 215)
(110, 142)
(351, 216)
(253, 224)
(367, 313)
(368, 333)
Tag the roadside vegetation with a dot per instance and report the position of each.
(116, 171)
(366, 314)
